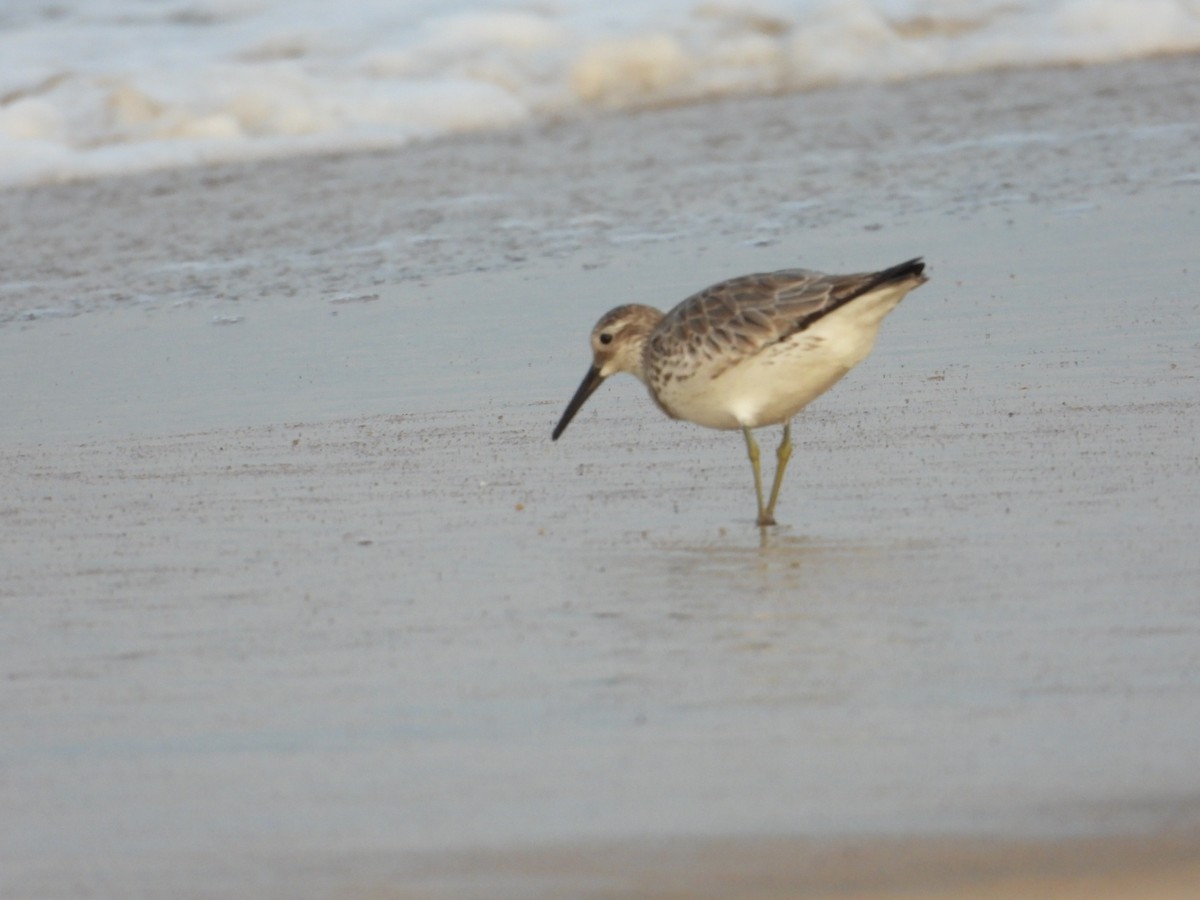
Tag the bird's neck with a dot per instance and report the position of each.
(633, 352)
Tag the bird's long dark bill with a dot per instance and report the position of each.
(592, 380)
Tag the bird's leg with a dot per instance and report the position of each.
(764, 517)
(783, 454)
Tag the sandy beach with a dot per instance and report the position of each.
(301, 601)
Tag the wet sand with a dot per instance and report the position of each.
(924, 868)
(301, 601)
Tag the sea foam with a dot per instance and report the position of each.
(116, 86)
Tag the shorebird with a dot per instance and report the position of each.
(748, 352)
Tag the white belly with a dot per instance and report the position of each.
(771, 386)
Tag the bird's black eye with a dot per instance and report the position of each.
(606, 338)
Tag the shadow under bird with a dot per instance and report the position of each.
(748, 352)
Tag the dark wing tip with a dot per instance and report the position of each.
(912, 268)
